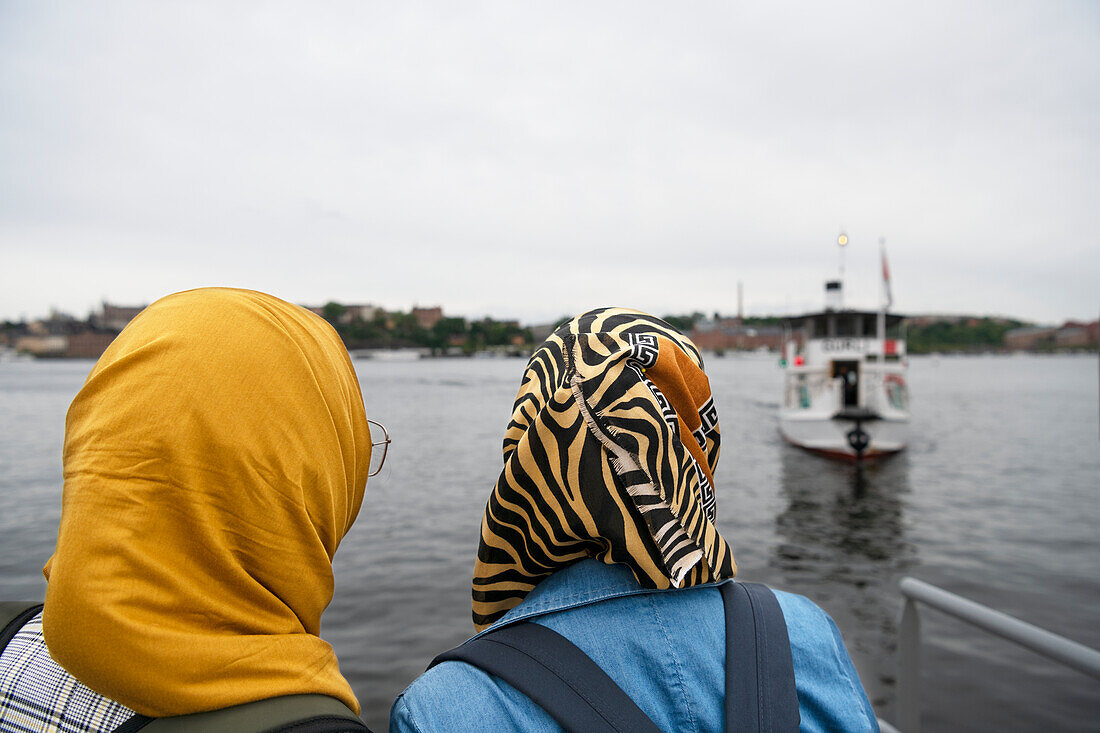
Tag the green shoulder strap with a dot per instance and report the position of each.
(324, 712)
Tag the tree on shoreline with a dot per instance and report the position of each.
(399, 329)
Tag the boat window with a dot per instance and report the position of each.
(846, 327)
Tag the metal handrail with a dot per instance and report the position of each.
(1058, 648)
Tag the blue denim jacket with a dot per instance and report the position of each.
(666, 649)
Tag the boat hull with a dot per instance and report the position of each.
(829, 436)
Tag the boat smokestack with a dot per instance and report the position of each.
(834, 295)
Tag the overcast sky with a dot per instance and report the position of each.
(528, 160)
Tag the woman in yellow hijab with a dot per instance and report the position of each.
(213, 460)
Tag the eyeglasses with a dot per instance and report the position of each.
(376, 461)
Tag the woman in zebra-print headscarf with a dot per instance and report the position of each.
(600, 530)
(610, 454)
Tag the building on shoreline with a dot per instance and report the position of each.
(427, 317)
(1070, 335)
(114, 317)
(64, 336)
(731, 334)
(347, 313)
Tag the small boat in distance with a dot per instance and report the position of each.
(845, 393)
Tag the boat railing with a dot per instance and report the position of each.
(806, 387)
(825, 390)
(878, 393)
(871, 390)
(1063, 650)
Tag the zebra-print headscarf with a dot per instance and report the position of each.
(610, 454)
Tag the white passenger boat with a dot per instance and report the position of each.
(844, 389)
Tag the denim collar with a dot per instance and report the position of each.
(580, 584)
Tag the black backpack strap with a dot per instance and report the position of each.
(556, 675)
(135, 722)
(297, 713)
(760, 690)
(13, 616)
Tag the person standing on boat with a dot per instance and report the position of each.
(601, 528)
(213, 460)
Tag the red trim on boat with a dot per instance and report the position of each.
(839, 454)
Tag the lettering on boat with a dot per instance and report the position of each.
(843, 344)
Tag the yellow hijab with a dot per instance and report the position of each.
(213, 460)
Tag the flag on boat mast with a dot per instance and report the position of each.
(887, 296)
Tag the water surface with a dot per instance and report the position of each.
(996, 499)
